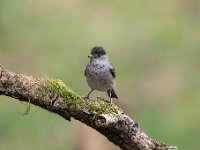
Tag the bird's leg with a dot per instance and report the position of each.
(109, 93)
(88, 95)
(110, 104)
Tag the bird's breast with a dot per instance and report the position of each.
(99, 77)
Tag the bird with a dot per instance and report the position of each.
(100, 74)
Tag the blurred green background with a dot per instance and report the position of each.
(153, 45)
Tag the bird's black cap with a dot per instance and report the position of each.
(98, 50)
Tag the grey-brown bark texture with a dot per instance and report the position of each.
(56, 97)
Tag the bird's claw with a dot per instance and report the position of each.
(110, 102)
(85, 97)
(98, 97)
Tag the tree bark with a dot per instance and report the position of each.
(55, 96)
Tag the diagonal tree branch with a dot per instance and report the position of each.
(55, 96)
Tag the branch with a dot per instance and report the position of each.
(55, 96)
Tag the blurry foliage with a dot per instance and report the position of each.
(154, 46)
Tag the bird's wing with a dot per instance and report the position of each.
(112, 71)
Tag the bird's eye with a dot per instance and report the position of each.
(96, 55)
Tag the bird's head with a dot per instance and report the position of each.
(97, 52)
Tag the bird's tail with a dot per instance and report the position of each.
(113, 94)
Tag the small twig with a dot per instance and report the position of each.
(28, 108)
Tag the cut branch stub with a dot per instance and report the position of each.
(105, 120)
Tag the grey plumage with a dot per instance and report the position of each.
(100, 74)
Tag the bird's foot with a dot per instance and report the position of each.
(106, 101)
(99, 98)
(85, 97)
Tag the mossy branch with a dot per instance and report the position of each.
(55, 96)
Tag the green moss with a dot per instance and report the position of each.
(73, 99)
(58, 87)
(101, 107)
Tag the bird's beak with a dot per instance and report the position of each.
(90, 56)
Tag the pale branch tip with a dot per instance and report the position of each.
(55, 96)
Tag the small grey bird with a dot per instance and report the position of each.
(99, 73)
